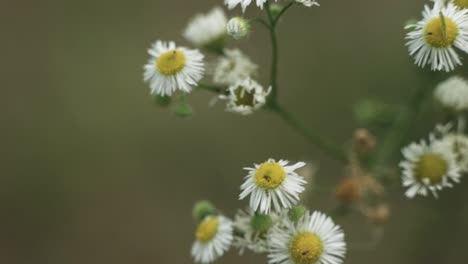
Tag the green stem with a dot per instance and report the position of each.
(311, 136)
(282, 12)
(395, 138)
(210, 88)
(274, 64)
(260, 21)
(273, 105)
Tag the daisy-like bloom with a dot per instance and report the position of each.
(245, 96)
(208, 30)
(428, 168)
(432, 40)
(273, 184)
(244, 3)
(314, 239)
(214, 236)
(232, 67)
(172, 68)
(453, 93)
(238, 27)
(458, 143)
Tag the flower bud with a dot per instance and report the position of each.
(275, 9)
(363, 141)
(202, 209)
(296, 213)
(238, 27)
(261, 223)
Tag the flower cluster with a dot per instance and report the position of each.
(172, 69)
(273, 223)
(439, 162)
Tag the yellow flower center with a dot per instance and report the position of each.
(436, 36)
(461, 3)
(269, 175)
(207, 229)
(243, 97)
(431, 166)
(306, 248)
(171, 62)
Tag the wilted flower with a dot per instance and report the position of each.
(379, 214)
(363, 141)
(245, 96)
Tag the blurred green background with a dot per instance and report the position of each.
(94, 172)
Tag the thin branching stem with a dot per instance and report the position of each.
(316, 139)
(261, 21)
(393, 141)
(313, 137)
(277, 18)
(210, 88)
(274, 63)
(273, 105)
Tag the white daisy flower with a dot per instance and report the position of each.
(315, 239)
(308, 3)
(430, 44)
(244, 3)
(453, 93)
(208, 30)
(273, 184)
(214, 236)
(233, 66)
(245, 96)
(428, 168)
(458, 143)
(172, 68)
